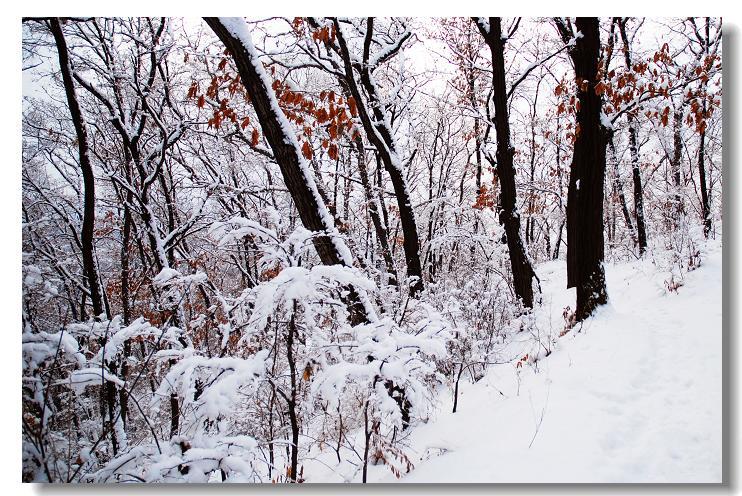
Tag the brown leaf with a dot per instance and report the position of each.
(306, 150)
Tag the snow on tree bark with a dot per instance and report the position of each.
(378, 129)
(332, 250)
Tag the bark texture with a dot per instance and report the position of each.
(520, 265)
(585, 246)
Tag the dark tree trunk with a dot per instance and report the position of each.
(125, 309)
(367, 441)
(292, 400)
(374, 123)
(619, 191)
(126, 239)
(88, 221)
(312, 210)
(531, 221)
(676, 157)
(168, 194)
(287, 155)
(641, 229)
(585, 248)
(347, 190)
(558, 243)
(111, 404)
(174, 413)
(477, 145)
(373, 210)
(456, 388)
(520, 265)
(706, 212)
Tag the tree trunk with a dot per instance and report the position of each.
(88, 221)
(706, 212)
(292, 400)
(641, 230)
(367, 441)
(373, 210)
(585, 248)
(520, 265)
(619, 191)
(675, 162)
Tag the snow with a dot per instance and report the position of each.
(203, 455)
(165, 276)
(93, 376)
(299, 285)
(226, 377)
(632, 395)
(606, 121)
(388, 49)
(39, 347)
(244, 227)
(484, 23)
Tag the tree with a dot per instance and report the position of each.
(314, 214)
(641, 229)
(379, 132)
(520, 265)
(88, 223)
(585, 246)
(706, 55)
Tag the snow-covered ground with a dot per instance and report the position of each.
(634, 395)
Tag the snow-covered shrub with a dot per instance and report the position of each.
(208, 391)
(185, 459)
(379, 373)
(681, 253)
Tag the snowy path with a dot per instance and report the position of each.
(635, 396)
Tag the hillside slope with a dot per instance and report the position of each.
(634, 395)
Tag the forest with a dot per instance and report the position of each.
(276, 250)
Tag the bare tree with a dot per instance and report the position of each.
(641, 228)
(520, 265)
(377, 125)
(88, 223)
